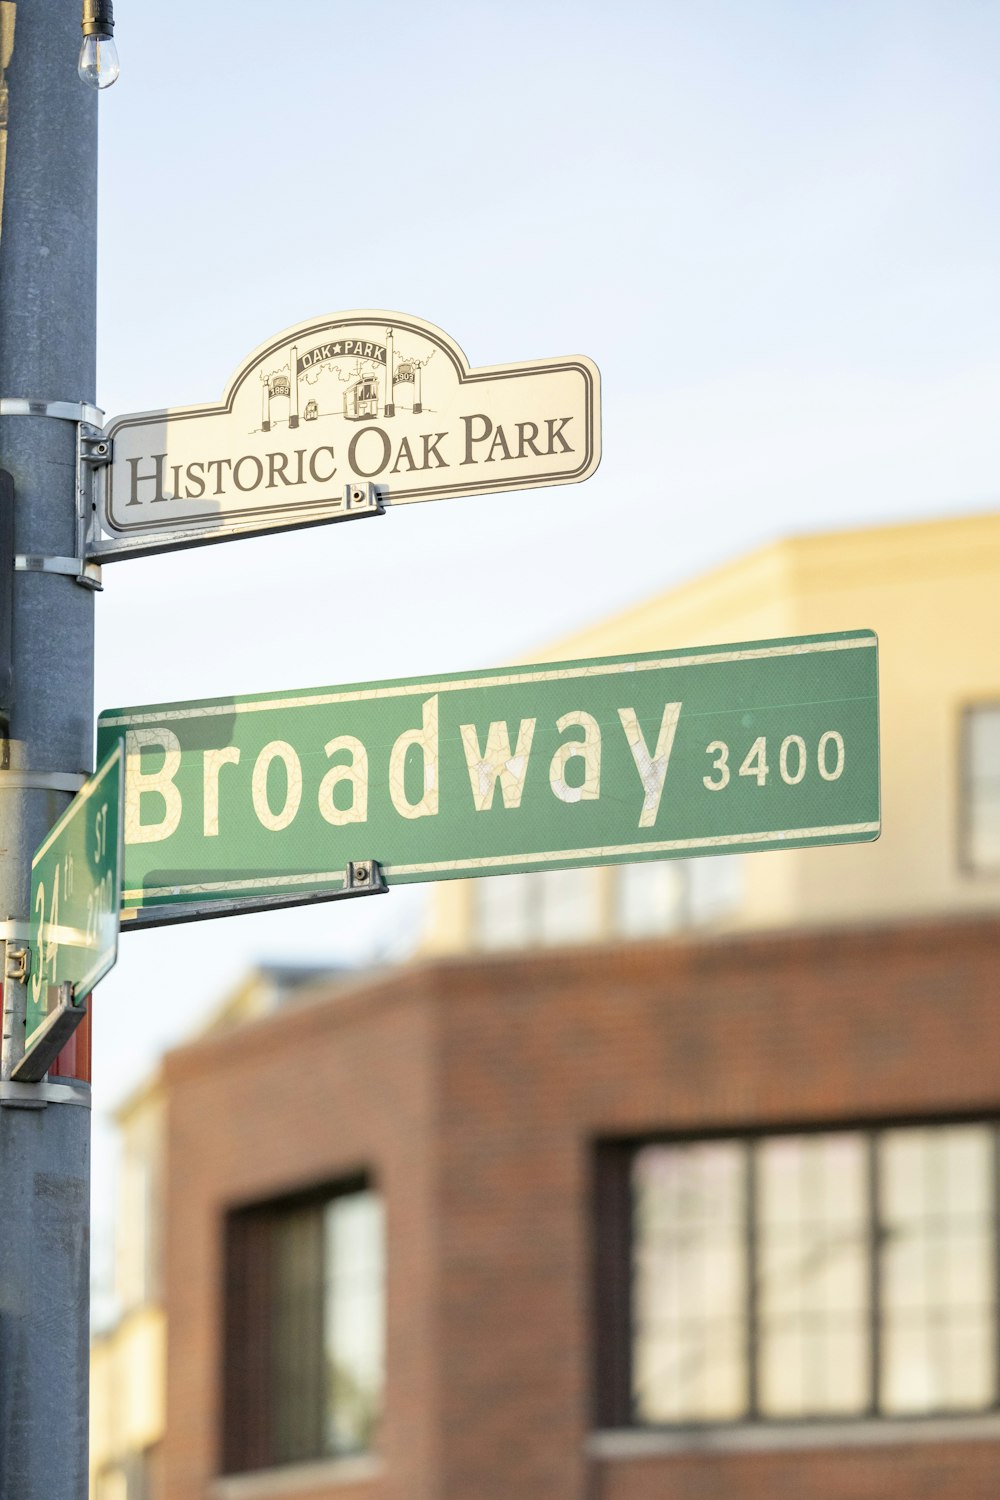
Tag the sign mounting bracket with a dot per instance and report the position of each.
(359, 500)
(362, 878)
(51, 1037)
(86, 573)
(93, 450)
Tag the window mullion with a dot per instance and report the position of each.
(995, 1228)
(752, 1262)
(874, 1277)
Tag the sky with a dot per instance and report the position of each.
(772, 226)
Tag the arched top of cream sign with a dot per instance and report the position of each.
(335, 406)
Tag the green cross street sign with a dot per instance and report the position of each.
(669, 754)
(76, 876)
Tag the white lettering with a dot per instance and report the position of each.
(720, 766)
(356, 773)
(652, 768)
(275, 821)
(588, 750)
(497, 763)
(426, 741)
(140, 783)
(755, 761)
(213, 764)
(792, 779)
(836, 739)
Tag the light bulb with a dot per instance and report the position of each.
(99, 65)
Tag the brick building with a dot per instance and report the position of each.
(526, 1125)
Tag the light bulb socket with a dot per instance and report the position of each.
(98, 18)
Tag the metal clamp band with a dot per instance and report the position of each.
(87, 573)
(37, 1095)
(64, 411)
(15, 932)
(48, 781)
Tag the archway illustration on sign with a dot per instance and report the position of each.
(379, 380)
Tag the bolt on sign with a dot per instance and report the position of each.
(771, 744)
(76, 881)
(346, 400)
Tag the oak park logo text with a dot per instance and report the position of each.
(370, 453)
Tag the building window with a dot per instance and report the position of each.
(798, 1276)
(981, 789)
(716, 888)
(548, 908)
(656, 897)
(538, 910)
(305, 1328)
(651, 899)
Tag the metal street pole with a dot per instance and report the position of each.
(47, 336)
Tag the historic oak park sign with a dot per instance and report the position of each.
(335, 417)
(763, 745)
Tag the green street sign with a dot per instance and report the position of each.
(76, 878)
(764, 745)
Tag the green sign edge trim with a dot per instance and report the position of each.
(498, 677)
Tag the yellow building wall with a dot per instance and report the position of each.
(128, 1362)
(931, 591)
(127, 1393)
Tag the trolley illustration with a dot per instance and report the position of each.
(361, 399)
